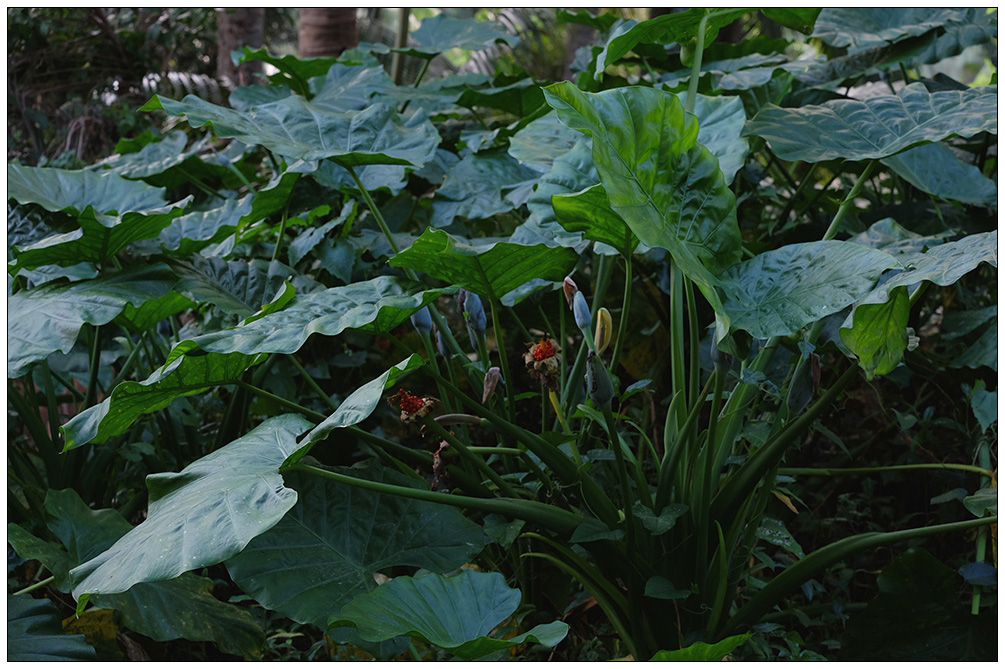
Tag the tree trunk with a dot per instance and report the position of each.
(238, 28)
(325, 32)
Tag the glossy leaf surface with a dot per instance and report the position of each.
(455, 613)
(298, 129)
(43, 320)
(203, 515)
(35, 633)
(668, 189)
(935, 169)
(877, 127)
(490, 270)
(441, 33)
(76, 190)
(778, 292)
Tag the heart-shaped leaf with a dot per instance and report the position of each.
(441, 33)
(778, 292)
(456, 613)
(490, 270)
(298, 129)
(237, 287)
(184, 375)
(863, 27)
(879, 334)
(877, 127)
(935, 169)
(720, 126)
(203, 515)
(43, 320)
(326, 550)
(589, 212)
(482, 185)
(76, 190)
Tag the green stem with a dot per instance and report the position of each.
(503, 363)
(849, 200)
(468, 456)
(308, 413)
(626, 301)
(829, 471)
(692, 84)
(553, 518)
(820, 559)
(92, 380)
(282, 229)
(312, 383)
(35, 586)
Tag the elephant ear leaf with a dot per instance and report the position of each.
(665, 185)
(456, 613)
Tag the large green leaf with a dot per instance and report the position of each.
(441, 33)
(292, 71)
(667, 187)
(482, 185)
(357, 407)
(179, 608)
(52, 556)
(589, 212)
(195, 230)
(879, 335)
(798, 18)
(35, 633)
(863, 27)
(876, 331)
(935, 169)
(43, 320)
(877, 127)
(541, 141)
(720, 126)
(570, 172)
(377, 305)
(490, 270)
(778, 292)
(681, 27)
(99, 238)
(184, 375)
(238, 287)
(703, 652)
(298, 129)
(346, 88)
(203, 515)
(457, 613)
(326, 550)
(76, 190)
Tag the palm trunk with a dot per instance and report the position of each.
(325, 32)
(237, 28)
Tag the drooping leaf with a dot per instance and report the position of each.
(589, 212)
(184, 375)
(456, 613)
(179, 608)
(490, 270)
(877, 127)
(703, 652)
(192, 520)
(99, 237)
(441, 33)
(668, 189)
(298, 129)
(52, 556)
(879, 335)
(76, 190)
(935, 169)
(482, 185)
(659, 587)
(890, 236)
(355, 408)
(326, 550)
(681, 28)
(520, 98)
(780, 291)
(774, 532)
(43, 320)
(942, 265)
(720, 126)
(377, 305)
(35, 633)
